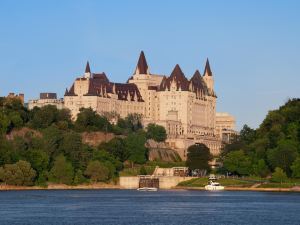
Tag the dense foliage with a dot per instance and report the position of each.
(198, 157)
(44, 145)
(273, 147)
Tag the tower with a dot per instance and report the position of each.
(208, 77)
(142, 66)
(87, 73)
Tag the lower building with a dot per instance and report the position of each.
(46, 99)
(225, 127)
(16, 96)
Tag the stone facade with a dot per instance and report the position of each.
(225, 127)
(185, 107)
(46, 99)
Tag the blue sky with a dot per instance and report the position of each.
(253, 46)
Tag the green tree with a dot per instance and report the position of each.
(44, 116)
(261, 169)
(198, 157)
(62, 171)
(117, 148)
(247, 134)
(20, 174)
(237, 162)
(74, 150)
(283, 155)
(4, 123)
(135, 145)
(156, 132)
(295, 167)
(97, 171)
(53, 138)
(279, 175)
(104, 156)
(143, 171)
(79, 178)
(38, 159)
(89, 120)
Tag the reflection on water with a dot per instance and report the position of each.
(64, 207)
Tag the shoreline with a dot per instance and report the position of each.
(228, 188)
(101, 186)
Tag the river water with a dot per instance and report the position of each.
(128, 207)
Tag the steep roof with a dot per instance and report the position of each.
(178, 77)
(87, 67)
(99, 85)
(142, 65)
(207, 69)
(198, 82)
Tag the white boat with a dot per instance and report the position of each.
(214, 186)
(147, 189)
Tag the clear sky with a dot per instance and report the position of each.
(253, 46)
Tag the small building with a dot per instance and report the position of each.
(170, 172)
(46, 99)
(20, 96)
(225, 127)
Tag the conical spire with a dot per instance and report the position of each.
(207, 69)
(142, 66)
(197, 74)
(87, 68)
(66, 92)
(177, 72)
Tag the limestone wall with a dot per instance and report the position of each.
(166, 182)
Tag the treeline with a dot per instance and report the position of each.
(272, 148)
(53, 150)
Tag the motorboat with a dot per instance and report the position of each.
(147, 189)
(213, 185)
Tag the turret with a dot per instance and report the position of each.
(208, 77)
(142, 66)
(87, 73)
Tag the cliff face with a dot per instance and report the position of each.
(96, 138)
(24, 132)
(159, 151)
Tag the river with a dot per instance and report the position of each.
(129, 207)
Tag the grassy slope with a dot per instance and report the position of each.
(201, 182)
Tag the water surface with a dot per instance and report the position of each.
(128, 207)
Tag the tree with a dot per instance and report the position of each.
(38, 159)
(283, 155)
(19, 173)
(44, 116)
(143, 171)
(105, 156)
(279, 175)
(198, 157)
(261, 169)
(117, 148)
(156, 132)
(237, 162)
(247, 134)
(79, 178)
(62, 171)
(97, 171)
(89, 120)
(295, 167)
(134, 121)
(135, 145)
(52, 140)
